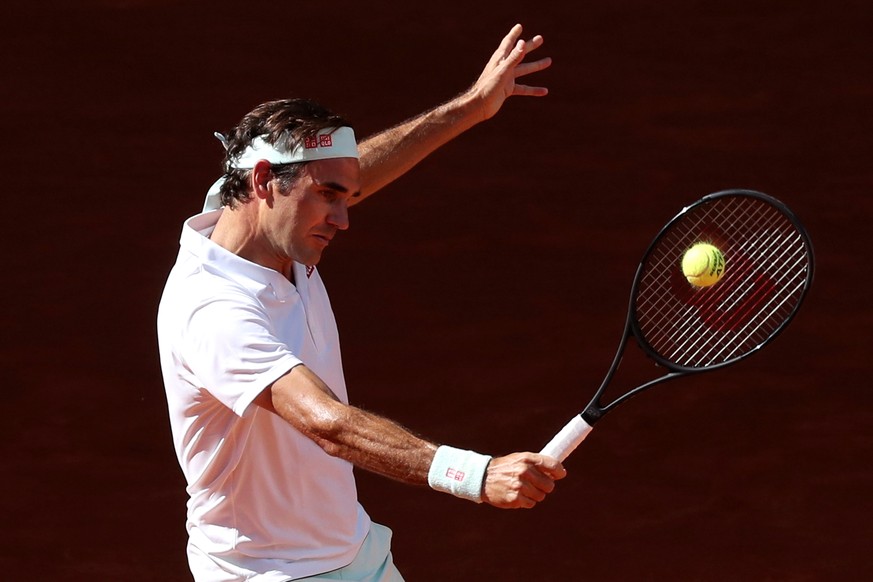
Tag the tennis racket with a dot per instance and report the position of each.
(768, 269)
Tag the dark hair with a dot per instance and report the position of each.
(284, 123)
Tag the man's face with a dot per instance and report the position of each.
(301, 223)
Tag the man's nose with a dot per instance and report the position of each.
(339, 216)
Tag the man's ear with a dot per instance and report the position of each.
(260, 179)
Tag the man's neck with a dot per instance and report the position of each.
(237, 231)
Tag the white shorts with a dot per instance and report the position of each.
(373, 562)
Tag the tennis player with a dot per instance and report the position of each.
(260, 415)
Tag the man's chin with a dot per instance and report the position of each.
(311, 259)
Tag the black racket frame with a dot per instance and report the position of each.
(594, 411)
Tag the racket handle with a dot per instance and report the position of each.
(573, 433)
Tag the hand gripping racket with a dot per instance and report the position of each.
(768, 268)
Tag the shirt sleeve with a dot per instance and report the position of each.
(230, 347)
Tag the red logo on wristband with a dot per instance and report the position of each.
(455, 474)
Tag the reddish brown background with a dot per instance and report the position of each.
(480, 298)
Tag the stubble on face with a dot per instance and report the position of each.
(314, 209)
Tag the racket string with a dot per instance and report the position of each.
(767, 271)
(741, 293)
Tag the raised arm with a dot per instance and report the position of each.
(382, 446)
(388, 155)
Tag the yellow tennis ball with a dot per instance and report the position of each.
(703, 265)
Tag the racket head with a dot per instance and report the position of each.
(769, 265)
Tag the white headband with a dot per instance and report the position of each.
(326, 144)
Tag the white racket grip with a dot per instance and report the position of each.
(566, 441)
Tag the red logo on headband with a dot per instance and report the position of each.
(318, 141)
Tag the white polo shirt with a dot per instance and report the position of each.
(266, 503)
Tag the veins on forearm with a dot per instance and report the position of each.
(376, 444)
(389, 154)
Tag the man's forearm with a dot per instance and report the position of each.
(389, 154)
(364, 439)
(382, 446)
(378, 445)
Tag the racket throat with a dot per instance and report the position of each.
(592, 414)
(594, 411)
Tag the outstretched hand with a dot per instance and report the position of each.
(391, 153)
(498, 80)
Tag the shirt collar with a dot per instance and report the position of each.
(195, 239)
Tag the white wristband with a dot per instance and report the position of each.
(458, 472)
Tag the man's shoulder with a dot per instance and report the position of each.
(194, 286)
(204, 284)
